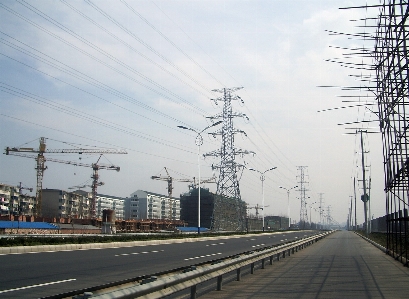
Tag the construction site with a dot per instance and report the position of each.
(83, 212)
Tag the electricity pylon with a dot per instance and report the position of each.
(229, 210)
(303, 209)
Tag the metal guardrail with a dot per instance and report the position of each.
(165, 284)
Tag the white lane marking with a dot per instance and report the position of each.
(215, 244)
(142, 252)
(258, 245)
(198, 257)
(37, 285)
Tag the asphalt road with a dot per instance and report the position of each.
(36, 275)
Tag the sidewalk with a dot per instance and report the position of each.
(342, 265)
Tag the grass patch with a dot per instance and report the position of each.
(379, 238)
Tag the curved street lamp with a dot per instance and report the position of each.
(262, 178)
(288, 202)
(199, 142)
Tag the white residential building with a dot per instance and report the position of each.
(109, 202)
(149, 205)
(14, 203)
(60, 203)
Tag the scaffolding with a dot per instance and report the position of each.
(391, 66)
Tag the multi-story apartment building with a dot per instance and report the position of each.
(12, 202)
(105, 202)
(109, 202)
(149, 205)
(64, 204)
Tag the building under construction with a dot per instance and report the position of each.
(189, 209)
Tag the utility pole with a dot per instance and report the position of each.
(355, 204)
(320, 194)
(350, 224)
(364, 197)
(369, 212)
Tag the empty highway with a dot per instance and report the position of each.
(34, 275)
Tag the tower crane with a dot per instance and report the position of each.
(209, 180)
(257, 207)
(170, 180)
(41, 159)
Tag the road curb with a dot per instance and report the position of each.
(372, 242)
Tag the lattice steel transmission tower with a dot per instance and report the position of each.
(229, 210)
(302, 184)
(391, 64)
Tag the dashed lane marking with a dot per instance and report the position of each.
(36, 285)
(215, 244)
(258, 245)
(202, 256)
(142, 252)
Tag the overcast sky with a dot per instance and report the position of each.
(125, 74)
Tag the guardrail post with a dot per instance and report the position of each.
(271, 260)
(219, 282)
(284, 254)
(289, 252)
(252, 268)
(278, 256)
(193, 292)
(238, 274)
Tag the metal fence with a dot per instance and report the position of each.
(391, 66)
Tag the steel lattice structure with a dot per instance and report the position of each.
(303, 209)
(391, 65)
(229, 210)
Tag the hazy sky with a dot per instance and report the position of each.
(125, 74)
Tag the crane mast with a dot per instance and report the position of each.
(40, 167)
(170, 180)
(257, 207)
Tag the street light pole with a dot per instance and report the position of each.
(288, 202)
(199, 142)
(262, 178)
(310, 214)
